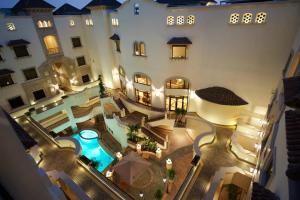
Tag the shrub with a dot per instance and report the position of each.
(158, 194)
(171, 174)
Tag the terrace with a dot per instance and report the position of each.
(112, 118)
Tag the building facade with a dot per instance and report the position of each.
(159, 59)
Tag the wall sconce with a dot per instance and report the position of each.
(157, 91)
(193, 94)
(129, 84)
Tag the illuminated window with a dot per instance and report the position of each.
(136, 9)
(139, 49)
(180, 20)
(247, 18)
(89, 22)
(170, 20)
(177, 83)
(51, 44)
(142, 79)
(234, 18)
(179, 51)
(44, 24)
(143, 97)
(190, 19)
(261, 18)
(72, 22)
(115, 22)
(11, 26)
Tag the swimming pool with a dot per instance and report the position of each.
(91, 148)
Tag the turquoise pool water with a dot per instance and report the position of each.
(92, 149)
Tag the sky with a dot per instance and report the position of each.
(56, 3)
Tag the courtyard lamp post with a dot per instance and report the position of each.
(166, 185)
(141, 195)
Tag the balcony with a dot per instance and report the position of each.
(52, 51)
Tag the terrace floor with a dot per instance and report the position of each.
(214, 156)
(64, 160)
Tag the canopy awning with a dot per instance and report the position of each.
(6, 71)
(115, 37)
(17, 42)
(131, 167)
(179, 40)
(220, 95)
(292, 91)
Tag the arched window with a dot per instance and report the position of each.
(40, 24)
(45, 24)
(142, 79)
(136, 50)
(121, 71)
(177, 83)
(51, 44)
(49, 23)
(136, 9)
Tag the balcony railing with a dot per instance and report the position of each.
(52, 51)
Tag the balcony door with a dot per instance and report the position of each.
(174, 102)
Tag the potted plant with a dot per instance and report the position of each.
(171, 175)
(101, 87)
(158, 194)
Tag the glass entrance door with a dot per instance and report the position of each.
(174, 102)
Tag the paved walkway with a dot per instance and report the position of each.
(214, 157)
(64, 160)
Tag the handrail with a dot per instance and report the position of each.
(43, 130)
(111, 186)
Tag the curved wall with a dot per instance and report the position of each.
(243, 58)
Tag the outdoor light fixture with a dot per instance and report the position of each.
(157, 91)
(141, 195)
(108, 174)
(119, 155)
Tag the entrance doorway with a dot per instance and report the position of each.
(62, 76)
(174, 102)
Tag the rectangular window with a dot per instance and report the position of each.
(21, 51)
(136, 9)
(76, 42)
(118, 45)
(16, 102)
(6, 80)
(179, 51)
(85, 78)
(30, 73)
(80, 60)
(143, 97)
(39, 94)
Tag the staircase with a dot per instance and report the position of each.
(121, 105)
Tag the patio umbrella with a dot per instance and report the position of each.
(131, 167)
